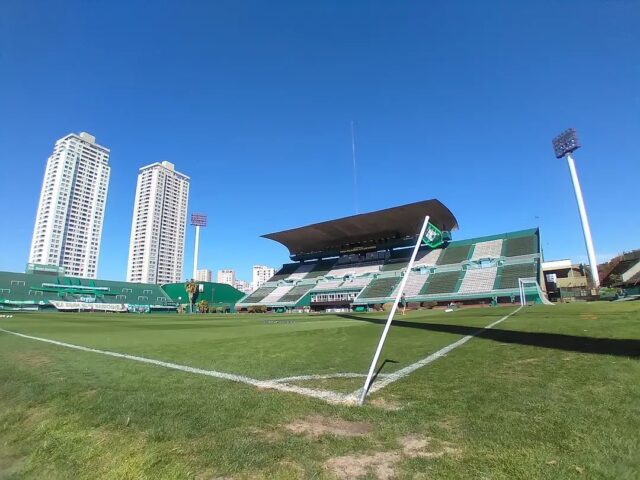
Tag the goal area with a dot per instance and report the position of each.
(530, 292)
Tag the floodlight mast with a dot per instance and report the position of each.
(564, 145)
(197, 220)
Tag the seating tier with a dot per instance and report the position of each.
(380, 287)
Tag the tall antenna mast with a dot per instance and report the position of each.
(355, 178)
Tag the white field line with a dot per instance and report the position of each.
(323, 376)
(329, 396)
(403, 372)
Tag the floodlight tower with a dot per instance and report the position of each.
(564, 145)
(197, 220)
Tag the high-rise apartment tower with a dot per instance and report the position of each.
(156, 247)
(68, 226)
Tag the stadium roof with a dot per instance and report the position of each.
(389, 228)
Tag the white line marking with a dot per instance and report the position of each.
(280, 383)
(322, 376)
(329, 396)
(403, 372)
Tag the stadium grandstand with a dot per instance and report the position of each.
(622, 272)
(45, 287)
(357, 263)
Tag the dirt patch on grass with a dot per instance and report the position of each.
(588, 316)
(35, 360)
(385, 404)
(316, 426)
(415, 446)
(380, 464)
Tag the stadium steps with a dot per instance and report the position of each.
(478, 280)
(295, 294)
(284, 272)
(258, 295)
(515, 247)
(428, 257)
(354, 269)
(328, 285)
(379, 288)
(356, 283)
(301, 271)
(444, 282)
(275, 295)
(508, 275)
(394, 266)
(414, 284)
(490, 249)
(321, 269)
(454, 254)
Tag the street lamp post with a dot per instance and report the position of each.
(564, 145)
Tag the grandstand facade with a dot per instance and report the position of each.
(42, 290)
(357, 263)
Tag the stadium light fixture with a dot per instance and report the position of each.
(563, 146)
(197, 220)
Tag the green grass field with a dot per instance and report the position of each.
(551, 392)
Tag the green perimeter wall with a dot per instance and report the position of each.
(216, 294)
(28, 289)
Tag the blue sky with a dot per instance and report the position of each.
(253, 100)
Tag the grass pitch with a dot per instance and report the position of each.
(551, 392)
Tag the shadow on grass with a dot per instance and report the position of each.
(601, 346)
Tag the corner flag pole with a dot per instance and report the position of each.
(374, 362)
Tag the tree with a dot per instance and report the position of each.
(192, 289)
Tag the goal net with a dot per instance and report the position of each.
(530, 291)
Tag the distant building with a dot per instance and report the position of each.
(156, 247)
(68, 226)
(261, 274)
(563, 279)
(227, 276)
(203, 275)
(243, 286)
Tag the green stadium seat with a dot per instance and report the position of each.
(380, 287)
(454, 254)
(518, 246)
(258, 295)
(508, 275)
(443, 282)
(295, 294)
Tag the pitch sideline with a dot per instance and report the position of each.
(327, 395)
(280, 384)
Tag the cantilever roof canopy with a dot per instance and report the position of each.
(389, 228)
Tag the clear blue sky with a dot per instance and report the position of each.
(453, 100)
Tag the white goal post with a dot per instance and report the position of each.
(527, 283)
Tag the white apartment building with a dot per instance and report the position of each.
(203, 275)
(156, 247)
(227, 276)
(261, 273)
(68, 226)
(243, 286)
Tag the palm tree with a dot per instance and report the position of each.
(191, 286)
